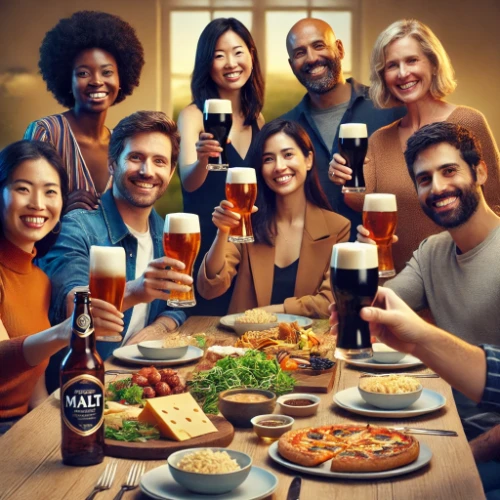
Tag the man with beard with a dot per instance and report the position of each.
(315, 56)
(143, 153)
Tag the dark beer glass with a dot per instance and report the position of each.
(354, 277)
(353, 144)
(218, 120)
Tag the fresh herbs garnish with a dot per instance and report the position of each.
(125, 391)
(133, 431)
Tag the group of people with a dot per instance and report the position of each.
(73, 183)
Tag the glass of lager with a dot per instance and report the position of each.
(181, 241)
(354, 276)
(353, 144)
(241, 191)
(107, 279)
(218, 120)
(380, 216)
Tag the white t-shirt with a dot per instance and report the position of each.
(144, 257)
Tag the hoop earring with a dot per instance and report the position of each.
(58, 226)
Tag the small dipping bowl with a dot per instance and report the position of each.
(390, 401)
(241, 328)
(238, 405)
(277, 426)
(287, 407)
(153, 349)
(382, 353)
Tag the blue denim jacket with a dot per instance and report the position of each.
(67, 263)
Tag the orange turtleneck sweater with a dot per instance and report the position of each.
(24, 310)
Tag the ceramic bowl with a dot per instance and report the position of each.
(241, 328)
(240, 413)
(382, 353)
(298, 411)
(390, 401)
(274, 432)
(153, 349)
(210, 484)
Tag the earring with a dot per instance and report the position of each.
(57, 228)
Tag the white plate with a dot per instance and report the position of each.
(302, 321)
(408, 361)
(351, 400)
(159, 483)
(131, 354)
(423, 459)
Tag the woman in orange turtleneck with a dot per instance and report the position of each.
(33, 188)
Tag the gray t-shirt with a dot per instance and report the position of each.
(328, 121)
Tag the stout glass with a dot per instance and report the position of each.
(353, 144)
(354, 277)
(380, 216)
(181, 241)
(218, 120)
(241, 191)
(107, 279)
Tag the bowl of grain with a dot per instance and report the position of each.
(393, 392)
(163, 349)
(209, 471)
(254, 320)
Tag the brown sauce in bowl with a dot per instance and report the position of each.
(299, 402)
(272, 423)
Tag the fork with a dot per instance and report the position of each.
(416, 375)
(134, 474)
(105, 480)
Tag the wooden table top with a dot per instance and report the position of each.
(31, 466)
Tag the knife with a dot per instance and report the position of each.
(417, 430)
(294, 490)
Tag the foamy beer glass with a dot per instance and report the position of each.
(241, 191)
(353, 144)
(181, 241)
(107, 279)
(380, 216)
(218, 120)
(354, 277)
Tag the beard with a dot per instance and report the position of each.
(323, 84)
(134, 199)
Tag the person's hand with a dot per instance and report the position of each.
(108, 320)
(224, 219)
(81, 199)
(207, 147)
(363, 236)
(338, 172)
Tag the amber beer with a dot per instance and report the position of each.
(241, 191)
(82, 390)
(181, 241)
(218, 120)
(354, 277)
(353, 144)
(380, 216)
(107, 278)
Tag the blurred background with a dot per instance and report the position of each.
(169, 31)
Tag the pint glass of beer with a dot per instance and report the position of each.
(380, 217)
(218, 120)
(354, 277)
(353, 144)
(181, 241)
(107, 279)
(241, 191)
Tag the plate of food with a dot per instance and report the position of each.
(408, 361)
(353, 452)
(131, 354)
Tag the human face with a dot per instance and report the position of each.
(315, 56)
(95, 82)
(232, 63)
(408, 72)
(284, 166)
(446, 189)
(31, 203)
(144, 170)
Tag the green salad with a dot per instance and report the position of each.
(124, 392)
(132, 430)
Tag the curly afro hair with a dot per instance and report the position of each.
(86, 30)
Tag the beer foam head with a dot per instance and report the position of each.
(380, 202)
(240, 175)
(107, 261)
(353, 131)
(181, 223)
(218, 106)
(354, 256)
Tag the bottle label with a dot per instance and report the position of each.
(83, 326)
(82, 404)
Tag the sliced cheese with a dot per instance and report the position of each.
(178, 417)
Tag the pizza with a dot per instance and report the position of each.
(351, 448)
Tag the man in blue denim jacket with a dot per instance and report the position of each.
(143, 152)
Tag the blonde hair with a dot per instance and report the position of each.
(443, 80)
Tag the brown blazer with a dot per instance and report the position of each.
(254, 266)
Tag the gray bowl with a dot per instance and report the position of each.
(153, 349)
(390, 401)
(241, 413)
(382, 353)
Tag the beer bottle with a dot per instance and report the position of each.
(82, 390)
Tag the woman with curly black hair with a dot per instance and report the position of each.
(90, 61)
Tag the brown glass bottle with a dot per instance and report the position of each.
(82, 391)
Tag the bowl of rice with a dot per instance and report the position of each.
(209, 471)
(393, 392)
(254, 320)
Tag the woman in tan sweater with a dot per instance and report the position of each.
(409, 67)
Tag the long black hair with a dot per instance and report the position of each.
(264, 221)
(18, 152)
(202, 85)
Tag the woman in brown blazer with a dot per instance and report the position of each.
(287, 269)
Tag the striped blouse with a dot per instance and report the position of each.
(491, 393)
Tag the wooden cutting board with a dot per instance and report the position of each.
(162, 448)
(308, 381)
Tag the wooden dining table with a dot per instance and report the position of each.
(31, 466)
